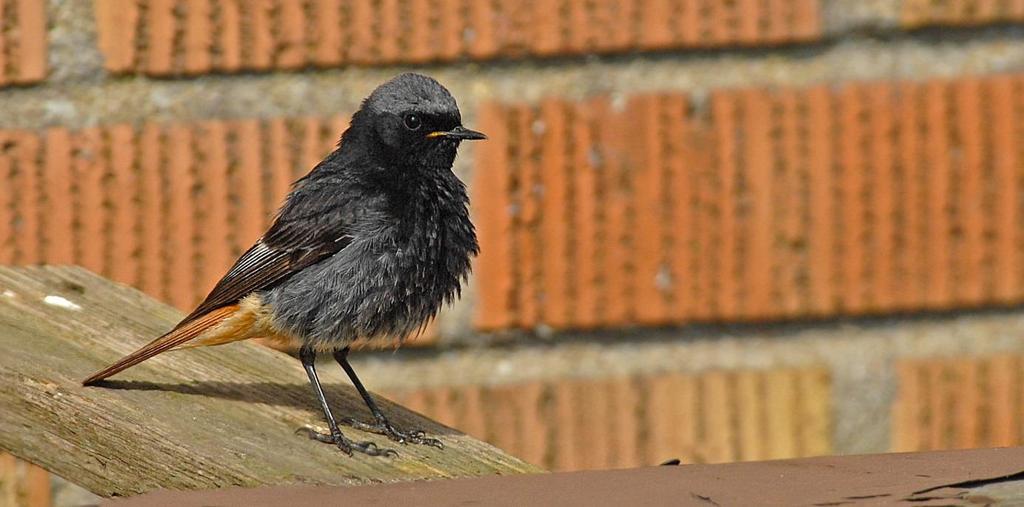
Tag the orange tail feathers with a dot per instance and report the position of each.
(177, 336)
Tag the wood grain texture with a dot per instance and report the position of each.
(200, 419)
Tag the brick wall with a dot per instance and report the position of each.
(22, 42)
(168, 37)
(754, 204)
(621, 422)
(653, 166)
(947, 403)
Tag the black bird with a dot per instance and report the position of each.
(364, 251)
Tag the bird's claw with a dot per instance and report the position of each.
(348, 446)
(385, 428)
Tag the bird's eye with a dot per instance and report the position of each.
(412, 122)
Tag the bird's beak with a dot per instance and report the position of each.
(460, 132)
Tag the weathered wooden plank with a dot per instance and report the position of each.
(197, 419)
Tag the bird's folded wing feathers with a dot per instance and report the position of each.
(290, 245)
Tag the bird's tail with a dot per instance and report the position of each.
(176, 337)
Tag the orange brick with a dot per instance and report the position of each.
(781, 411)
(779, 21)
(912, 173)
(492, 185)
(482, 20)
(883, 191)
(160, 43)
(1004, 419)
(814, 415)
(422, 39)
(625, 424)
(617, 290)
(672, 415)
(722, 22)
(724, 111)
(691, 22)
(502, 415)
(387, 16)
(751, 437)
(706, 225)
(791, 264)
(280, 163)
(655, 19)
(247, 185)
(547, 30)
(972, 276)
(116, 31)
(907, 410)
(566, 433)
(471, 412)
(291, 45)
(577, 29)
(442, 406)
(180, 221)
(151, 171)
(967, 404)
(451, 27)
(938, 190)
(806, 19)
(749, 24)
(534, 423)
(259, 39)
(229, 42)
(555, 215)
(619, 32)
(198, 37)
(855, 229)
(4, 48)
(527, 240)
(649, 174)
(587, 190)
(124, 241)
(822, 263)
(312, 150)
(362, 23)
(939, 405)
(330, 34)
(716, 419)
(27, 228)
(90, 168)
(32, 41)
(591, 418)
(59, 211)
(212, 149)
(683, 165)
(758, 262)
(919, 13)
(333, 33)
(1005, 133)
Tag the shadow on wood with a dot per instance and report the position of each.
(195, 419)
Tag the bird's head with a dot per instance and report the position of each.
(413, 119)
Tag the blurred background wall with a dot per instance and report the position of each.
(712, 229)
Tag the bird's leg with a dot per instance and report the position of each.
(308, 357)
(381, 425)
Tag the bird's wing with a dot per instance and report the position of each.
(297, 239)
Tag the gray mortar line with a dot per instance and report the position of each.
(692, 350)
(136, 99)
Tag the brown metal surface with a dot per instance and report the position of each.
(928, 479)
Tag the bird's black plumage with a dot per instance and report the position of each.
(376, 237)
(365, 249)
